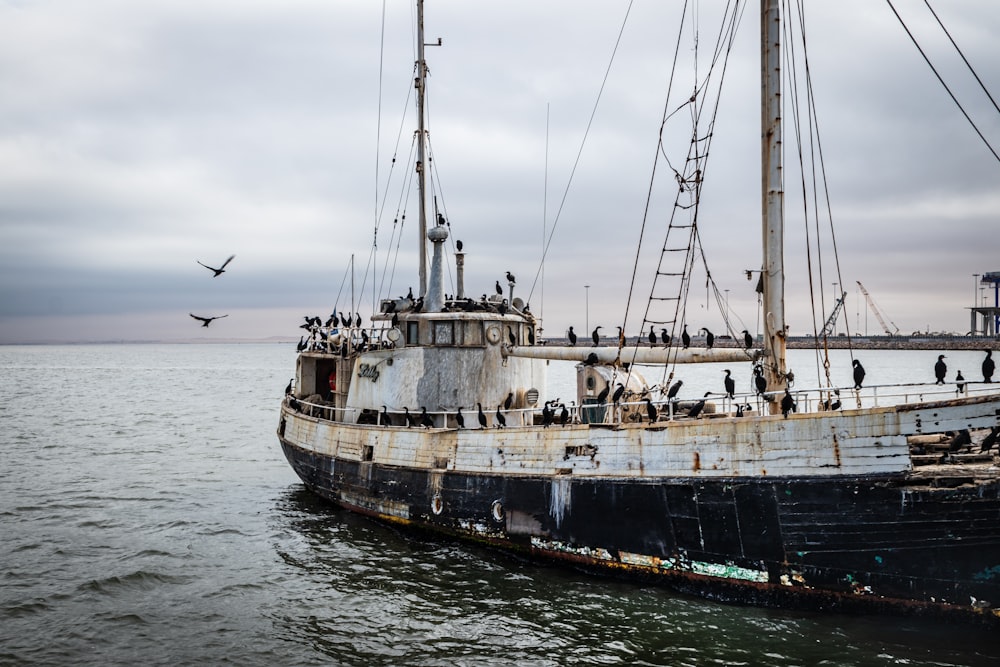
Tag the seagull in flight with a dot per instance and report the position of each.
(219, 271)
(206, 320)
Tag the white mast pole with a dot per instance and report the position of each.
(420, 84)
(772, 197)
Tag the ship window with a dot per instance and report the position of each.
(411, 333)
(590, 383)
(444, 333)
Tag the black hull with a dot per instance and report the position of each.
(857, 544)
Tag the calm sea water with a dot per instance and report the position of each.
(148, 516)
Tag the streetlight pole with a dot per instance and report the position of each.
(587, 321)
(975, 284)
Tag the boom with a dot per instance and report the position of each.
(832, 320)
(874, 309)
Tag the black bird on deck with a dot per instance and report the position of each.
(685, 337)
(990, 439)
(502, 307)
(665, 338)
(596, 337)
(509, 401)
(730, 384)
(288, 387)
(591, 359)
(988, 366)
(709, 338)
(961, 439)
(835, 405)
(482, 417)
(699, 406)
(652, 337)
(395, 319)
(959, 383)
(674, 388)
(651, 411)
(511, 337)
(563, 415)
(619, 392)
(787, 404)
(219, 271)
(759, 381)
(940, 369)
(859, 373)
(547, 415)
(603, 396)
(425, 419)
(747, 339)
(458, 245)
(572, 336)
(409, 418)
(499, 289)
(510, 277)
(459, 419)
(386, 421)
(501, 422)
(205, 321)
(302, 344)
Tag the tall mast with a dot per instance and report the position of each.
(773, 203)
(420, 83)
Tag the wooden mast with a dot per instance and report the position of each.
(773, 269)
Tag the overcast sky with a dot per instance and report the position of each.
(139, 137)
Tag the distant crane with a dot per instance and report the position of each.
(878, 315)
(832, 320)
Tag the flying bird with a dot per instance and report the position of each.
(940, 369)
(219, 271)
(859, 373)
(207, 320)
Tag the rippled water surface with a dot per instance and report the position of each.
(148, 516)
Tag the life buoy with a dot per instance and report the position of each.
(333, 380)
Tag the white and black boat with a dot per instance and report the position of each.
(737, 500)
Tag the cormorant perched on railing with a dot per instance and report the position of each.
(509, 401)
(730, 384)
(482, 417)
(459, 419)
(759, 381)
(219, 271)
(787, 404)
(988, 366)
(674, 388)
(685, 337)
(501, 422)
(603, 395)
(652, 336)
(510, 277)
(859, 373)
(747, 339)
(572, 336)
(960, 384)
(651, 411)
(665, 338)
(940, 369)
(425, 419)
(699, 406)
(709, 338)
(596, 337)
